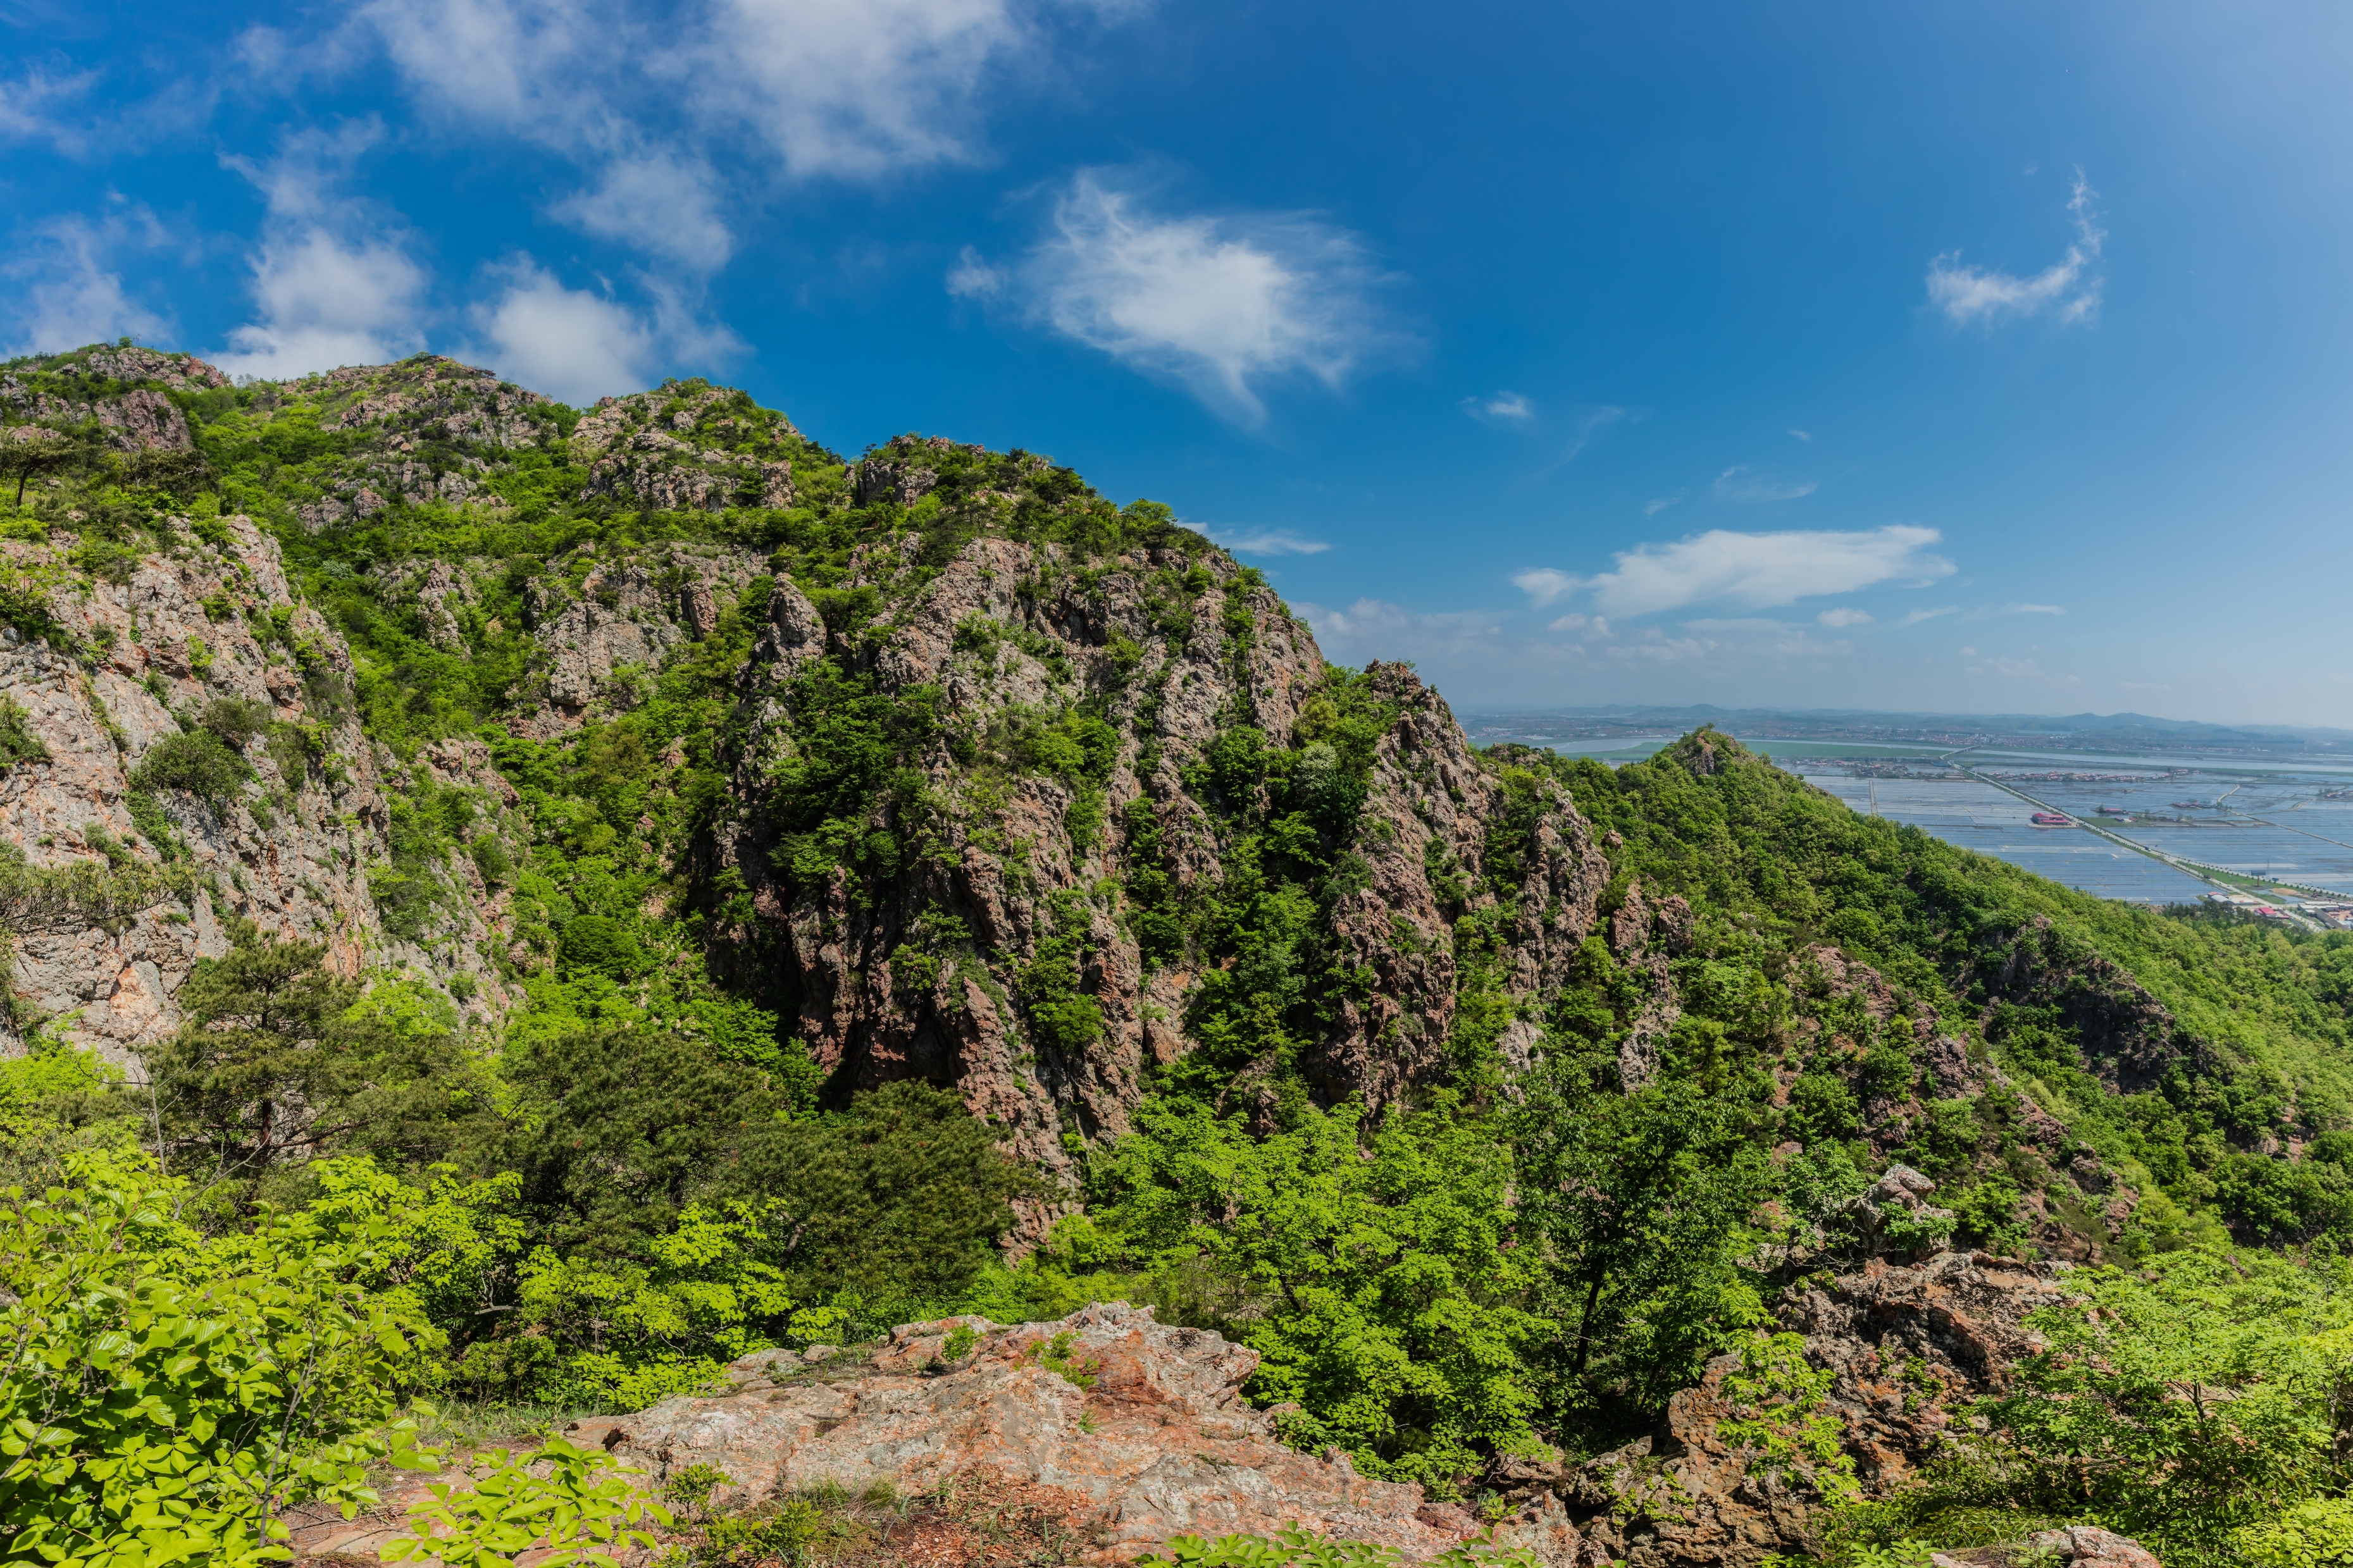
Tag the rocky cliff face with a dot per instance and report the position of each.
(1009, 634)
(207, 628)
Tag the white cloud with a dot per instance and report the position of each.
(1543, 584)
(2034, 609)
(1269, 541)
(658, 201)
(65, 291)
(1221, 305)
(332, 284)
(972, 279)
(862, 86)
(1749, 571)
(569, 343)
(1917, 616)
(1843, 616)
(1658, 504)
(2072, 286)
(1593, 628)
(1375, 628)
(27, 105)
(1743, 485)
(729, 92)
(1806, 436)
(1500, 409)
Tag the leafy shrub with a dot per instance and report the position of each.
(122, 1315)
(17, 741)
(569, 1503)
(2316, 1533)
(196, 762)
(602, 943)
(106, 560)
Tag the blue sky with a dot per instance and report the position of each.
(1986, 357)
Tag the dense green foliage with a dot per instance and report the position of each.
(630, 1171)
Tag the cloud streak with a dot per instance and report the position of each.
(1221, 305)
(1743, 486)
(1746, 571)
(1509, 409)
(1268, 541)
(2070, 288)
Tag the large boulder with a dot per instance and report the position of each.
(1140, 1428)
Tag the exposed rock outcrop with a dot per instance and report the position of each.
(1909, 1346)
(1007, 629)
(1141, 1425)
(2129, 1038)
(291, 850)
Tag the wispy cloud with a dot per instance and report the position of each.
(2034, 609)
(2071, 287)
(674, 114)
(1221, 304)
(1843, 616)
(1917, 616)
(333, 282)
(28, 107)
(1748, 571)
(66, 290)
(1742, 485)
(1806, 436)
(1658, 504)
(662, 201)
(1376, 628)
(1543, 584)
(1510, 408)
(1268, 541)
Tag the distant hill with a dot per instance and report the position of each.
(2084, 732)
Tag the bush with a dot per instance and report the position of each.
(17, 741)
(150, 1415)
(196, 762)
(235, 719)
(602, 943)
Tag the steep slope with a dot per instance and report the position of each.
(937, 765)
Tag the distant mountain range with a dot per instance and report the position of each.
(2082, 732)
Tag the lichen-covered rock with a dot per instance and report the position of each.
(290, 850)
(1144, 1422)
(1006, 630)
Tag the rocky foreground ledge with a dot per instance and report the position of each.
(1110, 1433)
(1138, 1428)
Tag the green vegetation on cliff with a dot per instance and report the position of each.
(1461, 1214)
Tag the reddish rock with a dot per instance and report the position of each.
(1157, 1444)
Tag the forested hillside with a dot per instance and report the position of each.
(590, 895)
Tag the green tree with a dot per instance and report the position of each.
(898, 1201)
(1641, 1200)
(277, 1061)
(1380, 1273)
(23, 457)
